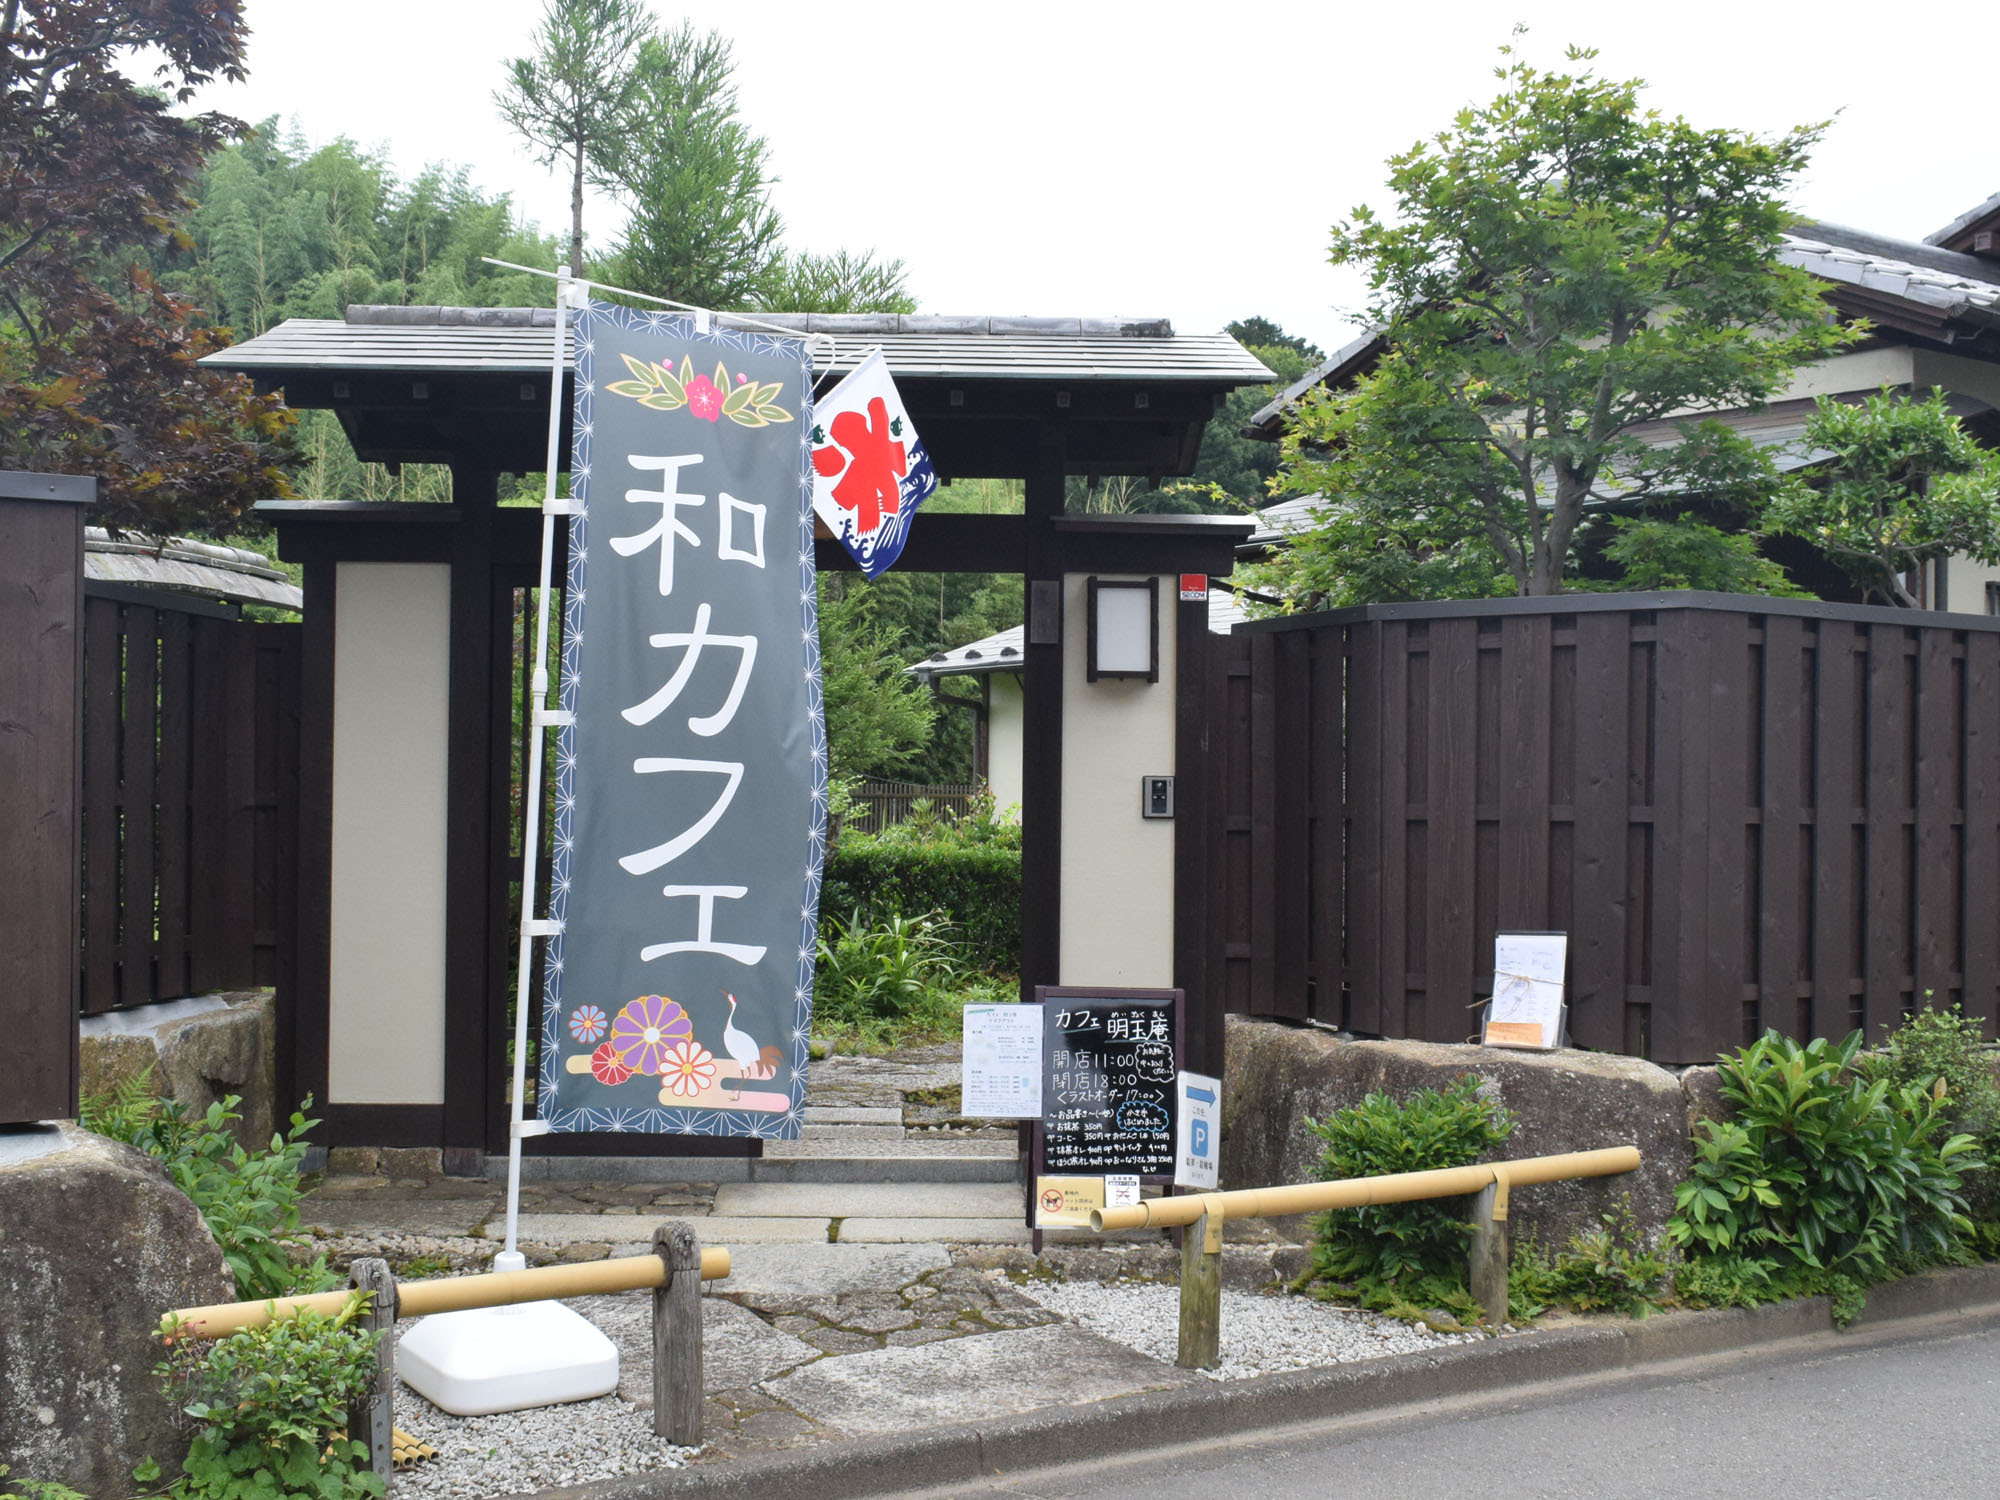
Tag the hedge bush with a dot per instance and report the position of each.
(978, 886)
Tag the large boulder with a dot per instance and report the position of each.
(200, 1050)
(95, 1245)
(1277, 1077)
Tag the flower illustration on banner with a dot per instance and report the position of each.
(606, 1068)
(748, 403)
(704, 400)
(689, 1068)
(586, 1023)
(645, 1029)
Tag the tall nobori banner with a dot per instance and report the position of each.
(872, 469)
(691, 793)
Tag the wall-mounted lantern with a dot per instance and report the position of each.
(1124, 629)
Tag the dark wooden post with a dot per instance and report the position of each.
(1488, 1250)
(370, 1420)
(41, 747)
(677, 1335)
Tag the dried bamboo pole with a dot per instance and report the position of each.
(449, 1294)
(1359, 1192)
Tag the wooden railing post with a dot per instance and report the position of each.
(370, 1420)
(677, 1335)
(1201, 1292)
(1488, 1249)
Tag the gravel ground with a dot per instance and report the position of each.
(513, 1452)
(1260, 1334)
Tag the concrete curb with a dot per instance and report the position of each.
(851, 1469)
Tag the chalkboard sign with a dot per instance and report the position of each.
(1109, 1061)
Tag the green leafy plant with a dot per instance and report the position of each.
(1399, 1256)
(249, 1199)
(35, 1489)
(268, 1401)
(1607, 1269)
(1823, 1176)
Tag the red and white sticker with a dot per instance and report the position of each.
(1194, 588)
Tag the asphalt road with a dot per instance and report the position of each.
(1898, 1419)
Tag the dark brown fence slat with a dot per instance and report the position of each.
(1451, 811)
(1399, 894)
(1326, 775)
(207, 961)
(1891, 828)
(1363, 798)
(1263, 821)
(170, 966)
(1603, 818)
(136, 796)
(1940, 746)
(1291, 707)
(1785, 843)
(1522, 739)
(103, 685)
(1982, 828)
(1839, 839)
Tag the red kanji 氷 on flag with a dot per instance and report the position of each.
(870, 471)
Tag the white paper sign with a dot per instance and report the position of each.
(1001, 1066)
(1121, 1191)
(1198, 1131)
(1527, 989)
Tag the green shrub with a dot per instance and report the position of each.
(1823, 1178)
(976, 886)
(1607, 1269)
(268, 1400)
(1942, 1048)
(249, 1199)
(1403, 1256)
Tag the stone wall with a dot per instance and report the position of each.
(1276, 1077)
(200, 1050)
(95, 1246)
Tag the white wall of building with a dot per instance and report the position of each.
(1117, 867)
(391, 681)
(1004, 738)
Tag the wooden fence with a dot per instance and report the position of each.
(190, 777)
(882, 804)
(1779, 814)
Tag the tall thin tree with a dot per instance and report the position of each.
(571, 97)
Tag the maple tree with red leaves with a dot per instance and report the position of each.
(98, 367)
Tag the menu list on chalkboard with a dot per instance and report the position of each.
(1109, 1066)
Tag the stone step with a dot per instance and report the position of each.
(851, 1114)
(909, 1164)
(885, 1200)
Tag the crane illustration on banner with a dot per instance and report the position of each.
(870, 470)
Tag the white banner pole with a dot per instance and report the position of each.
(538, 722)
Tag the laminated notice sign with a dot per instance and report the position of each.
(691, 762)
(1000, 1068)
(1527, 1007)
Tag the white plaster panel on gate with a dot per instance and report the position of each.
(391, 681)
(1117, 867)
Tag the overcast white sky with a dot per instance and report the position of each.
(1098, 157)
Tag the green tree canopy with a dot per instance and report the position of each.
(574, 96)
(1562, 268)
(98, 371)
(1904, 484)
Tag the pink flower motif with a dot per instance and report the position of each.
(704, 399)
(644, 1030)
(606, 1068)
(689, 1068)
(741, 378)
(586, 1023)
